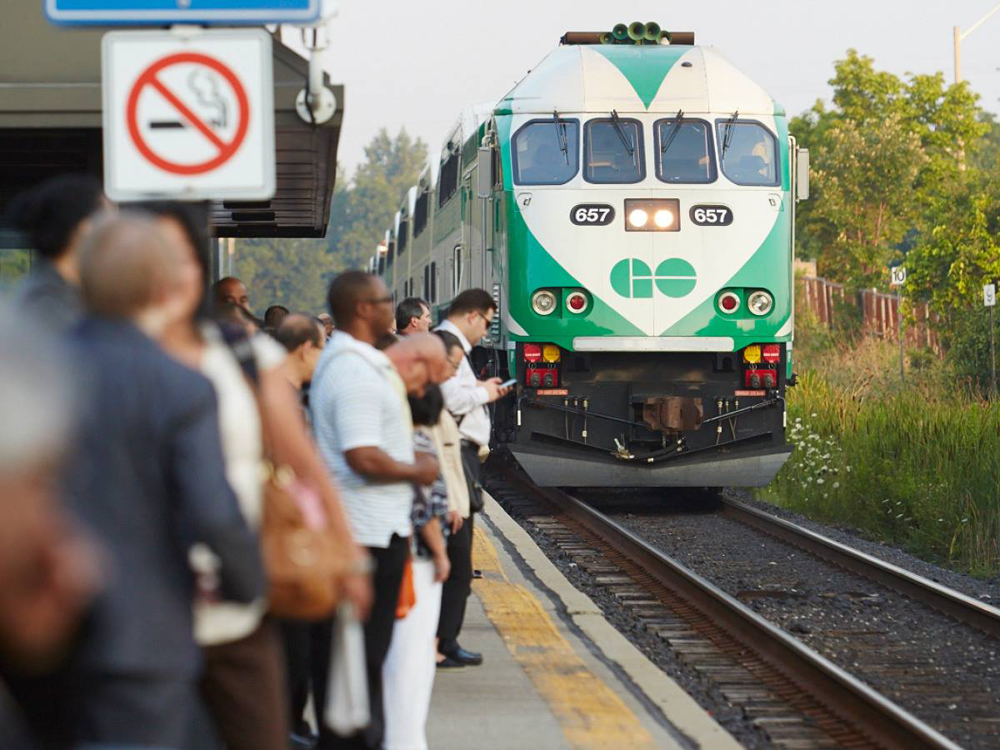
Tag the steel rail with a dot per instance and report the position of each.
(884, 722)
(963, 608)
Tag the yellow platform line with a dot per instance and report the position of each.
(590, 713)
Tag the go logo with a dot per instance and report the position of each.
(632, 278)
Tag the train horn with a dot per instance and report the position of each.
(620, 32)
(652, 32)
(636, 31)
(663, 37)
(607, 38)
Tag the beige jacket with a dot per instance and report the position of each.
(448, 444)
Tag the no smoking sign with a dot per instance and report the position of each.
(188, 117)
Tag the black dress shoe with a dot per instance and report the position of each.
(451, 664)
(470, 658)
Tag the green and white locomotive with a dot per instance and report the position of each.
(631, 207)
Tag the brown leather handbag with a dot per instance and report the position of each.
(303, 561)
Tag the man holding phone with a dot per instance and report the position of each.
(465, 396)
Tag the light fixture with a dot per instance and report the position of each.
(663, 218)
(729, 302)
(551, 353)
(576, 302)
(760, 303)
(543, 302)
(638, 218)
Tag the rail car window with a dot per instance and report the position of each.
(391, 255)
(420, 214)
(612, 151)
(401, 237)
(749, 152)
(684, 151)
(546, 152)
(448, 179)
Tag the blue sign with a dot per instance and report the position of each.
(163, 12)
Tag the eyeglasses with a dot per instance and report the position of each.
(489, 321)
(378, 300)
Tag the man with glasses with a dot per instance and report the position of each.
(364, 433)
(465, 396)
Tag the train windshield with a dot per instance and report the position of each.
(546, 152)
(613, 151)
(685, 151)
(749, 152)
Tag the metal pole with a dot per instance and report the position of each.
(957, 43)
(993, 356)
(899, 332)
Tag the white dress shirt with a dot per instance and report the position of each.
(464, 397)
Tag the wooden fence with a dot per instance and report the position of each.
(879, 311)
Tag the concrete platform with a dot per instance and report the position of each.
(556, 674)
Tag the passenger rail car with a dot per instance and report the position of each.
(632, 210)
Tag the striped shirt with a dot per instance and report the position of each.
(355, 403)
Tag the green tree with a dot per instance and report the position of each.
(886, 163)
(296, 272)
(365, 209)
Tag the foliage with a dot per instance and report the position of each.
(886, 167)
(296, 272)
(361, 214)
(905, 469)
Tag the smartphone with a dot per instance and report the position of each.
(509, 383)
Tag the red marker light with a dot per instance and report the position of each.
(577, 302)
(729, 303)
(532, 352)
(771, 353)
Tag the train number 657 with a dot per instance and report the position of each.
(711, 216)
(592, 214)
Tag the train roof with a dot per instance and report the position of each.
(627, 78)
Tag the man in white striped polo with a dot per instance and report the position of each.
(364, 432)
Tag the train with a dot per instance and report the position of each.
(630, 204)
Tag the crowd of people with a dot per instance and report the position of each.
(219, 530)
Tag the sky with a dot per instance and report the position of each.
(417, 64)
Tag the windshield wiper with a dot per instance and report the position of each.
(626, 141)
(730, 127)
(673, 131)
(563, 143)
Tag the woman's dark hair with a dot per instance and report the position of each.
(450, 341)
(194, 221)
(426, 410)
(50, 212)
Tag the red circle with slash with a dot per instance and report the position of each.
(225, 150)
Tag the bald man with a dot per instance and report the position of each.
(147, 477)
(231, 290)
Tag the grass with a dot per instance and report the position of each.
(915, 466)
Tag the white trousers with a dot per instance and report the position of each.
(409, 667)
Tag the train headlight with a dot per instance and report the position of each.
(652, 215)
(663, 218)
(760, 303)
(638, 218)
(543, 302)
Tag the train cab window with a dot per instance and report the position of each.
(546, 152)
(612, 151)
(749, 152)
(684, 151)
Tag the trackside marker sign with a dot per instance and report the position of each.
(188, 117)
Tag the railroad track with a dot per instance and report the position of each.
(795, 695)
